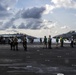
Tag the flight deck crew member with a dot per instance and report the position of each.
(11, 42)
(25, 43)
(61, 41)
(15, 43)
(57, 41)
(49, 42)
(45, 42)
(72, 42)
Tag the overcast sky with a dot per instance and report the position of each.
(38, 14)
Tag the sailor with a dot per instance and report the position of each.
(57, 41)
(25, 43)
(72, 42)
(41, 40)
(10, 41)
(61, 41)
(45, 42)
(49, 42)
(15, 43)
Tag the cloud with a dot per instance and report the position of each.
(34, 12)
(39, 24)
(64, 3)
(32, 16)
(1, 23)
(56, 32)
(52, 25)
(7, 24)
(13, 26)
(8, 4)
(22, 26)
(5, 7)
(31, 24)
(2, 8)
(74, 14)
(49, 8)
(33, 20)
(6, 14)
(55, 4)
(64, 27)
(3, 12)
(48, 24)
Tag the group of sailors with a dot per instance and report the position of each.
(48, 42)
(13, 41)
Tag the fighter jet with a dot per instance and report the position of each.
(67, 35)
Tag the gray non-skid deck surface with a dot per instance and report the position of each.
(38, 61)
